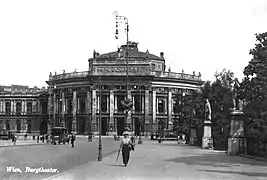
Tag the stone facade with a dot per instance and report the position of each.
(74, 99)
(23, 110)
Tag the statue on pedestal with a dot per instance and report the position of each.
(237, 103)
(207, 110)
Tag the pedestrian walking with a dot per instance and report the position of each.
(126, 146)
(38, 139)
(15, 140)
(72, 139)
(43, 138)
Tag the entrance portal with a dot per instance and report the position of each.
(120, 126)
(137, 127)
(43, 127)
(81, 125)
(104, 126)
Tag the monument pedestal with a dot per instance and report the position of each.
(207, 141)
(236, 139)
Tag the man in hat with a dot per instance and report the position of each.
(126, 146)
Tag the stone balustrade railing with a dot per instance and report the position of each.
(171, 75)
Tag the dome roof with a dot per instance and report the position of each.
(133, 53)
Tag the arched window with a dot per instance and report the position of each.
(44, 108)
(7, 125)
(29, 108)
(69, 106)
(161, 105)
(18, 125)
(104, 101)
(18, 108)
(8, 107)
(82, 105)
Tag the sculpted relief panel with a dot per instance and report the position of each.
(119, 70)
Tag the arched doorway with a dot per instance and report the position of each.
(43, 127)
(104, 126)
(120, 126)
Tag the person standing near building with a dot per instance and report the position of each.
(72, 139)
(126, 146)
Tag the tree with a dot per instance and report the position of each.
(253, 90)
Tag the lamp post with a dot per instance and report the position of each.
(99, 158)
(125, 20)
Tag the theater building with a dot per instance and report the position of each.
(79, 100)
(23, 110)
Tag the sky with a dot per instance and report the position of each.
(38, 37)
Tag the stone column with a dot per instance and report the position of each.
(133, 103)
(154, 107)
(111, 111)
(55, 110)
(115, 103)
(165, 106)
(12, 106)
(94, 129)
(25, 102)
(22, 106)
(169, 107)
(98, 104)
(143, 103)
(63, 110)
(4, 106)
(147, 122)
(157, 104)
(88, 120)
(236, 133)
(78, 105)
(1, 107)
(74, 108)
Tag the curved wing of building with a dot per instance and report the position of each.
(78, 100)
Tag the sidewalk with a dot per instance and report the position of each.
(20, 142)
(169, 161)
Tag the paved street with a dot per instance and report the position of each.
(60, 157)
(170, 161)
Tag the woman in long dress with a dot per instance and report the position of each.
(125, 146)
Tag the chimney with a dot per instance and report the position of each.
(162, 55)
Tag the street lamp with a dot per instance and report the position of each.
(99, 158)
(123, 19)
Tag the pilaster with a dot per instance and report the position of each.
(94, 110)
(74, 103)
(4, 106)
(111, 108)
(169, 106)
(55, 109)
(115, 103)
(154, 108)
(88, 106)
(63, 110)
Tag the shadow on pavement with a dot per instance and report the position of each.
(116, 165)
(216, 160)
(240, 173)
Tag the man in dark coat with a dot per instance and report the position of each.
(72, 139)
